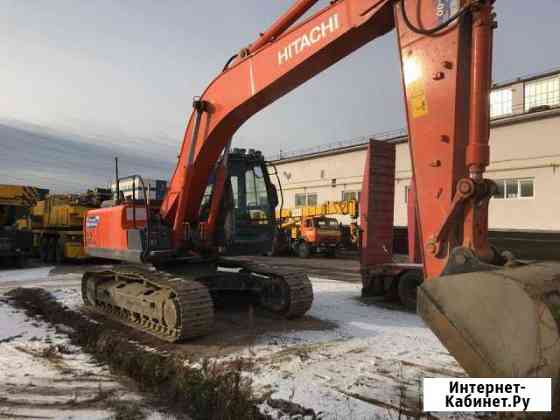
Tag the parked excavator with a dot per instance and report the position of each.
(171, 296)
(497, 316)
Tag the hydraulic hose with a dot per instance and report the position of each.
(435, 29)
(233, 57)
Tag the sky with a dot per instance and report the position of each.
(119, 76)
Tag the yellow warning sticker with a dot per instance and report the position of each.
(418, 101)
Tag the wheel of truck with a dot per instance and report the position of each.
(293, 247)
(51, 255)
(279, 244)
(372, 286)
(44, 249)
(407, 288)
(20, 261)
(59, 253)
(303, 250)
(330, 253)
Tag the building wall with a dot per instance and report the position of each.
(327, 176)
(525, 152)
(528, 149)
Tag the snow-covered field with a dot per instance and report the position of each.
(43, 376)
(372, 361)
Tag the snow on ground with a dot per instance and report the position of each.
(45, 277)
(372, 361)
(19, 275)
(72, 298)
(42, 375)
(63, 284)
(375, 359)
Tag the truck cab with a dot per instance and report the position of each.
(316, 235)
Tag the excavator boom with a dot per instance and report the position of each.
(255, 81)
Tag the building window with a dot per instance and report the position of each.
(351, 195)
(501, 103)
(515, 188)
(312, 199)
(303, 199)
(300, 200)
(542, 93)
(526, 188)
(406, 191)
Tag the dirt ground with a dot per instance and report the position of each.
(342, 269)
(345, 358)
(235, 329)
(237, 324)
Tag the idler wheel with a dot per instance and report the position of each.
(171, 314)
(275, 295)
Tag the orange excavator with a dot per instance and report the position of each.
(497, 317)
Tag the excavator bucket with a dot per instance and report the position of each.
(500, 323)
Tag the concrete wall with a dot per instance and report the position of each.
(528, 150)
(523, 150)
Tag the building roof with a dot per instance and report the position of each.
(527, 78)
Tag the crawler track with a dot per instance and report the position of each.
(296, 284)
(176, 308)
(188, 302)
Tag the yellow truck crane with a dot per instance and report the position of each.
(15, 202)
(56, 223)
(309, 230)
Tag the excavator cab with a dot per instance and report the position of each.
(246, 222)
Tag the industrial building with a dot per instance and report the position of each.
(525, 160)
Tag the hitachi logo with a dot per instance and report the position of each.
(316, 34)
